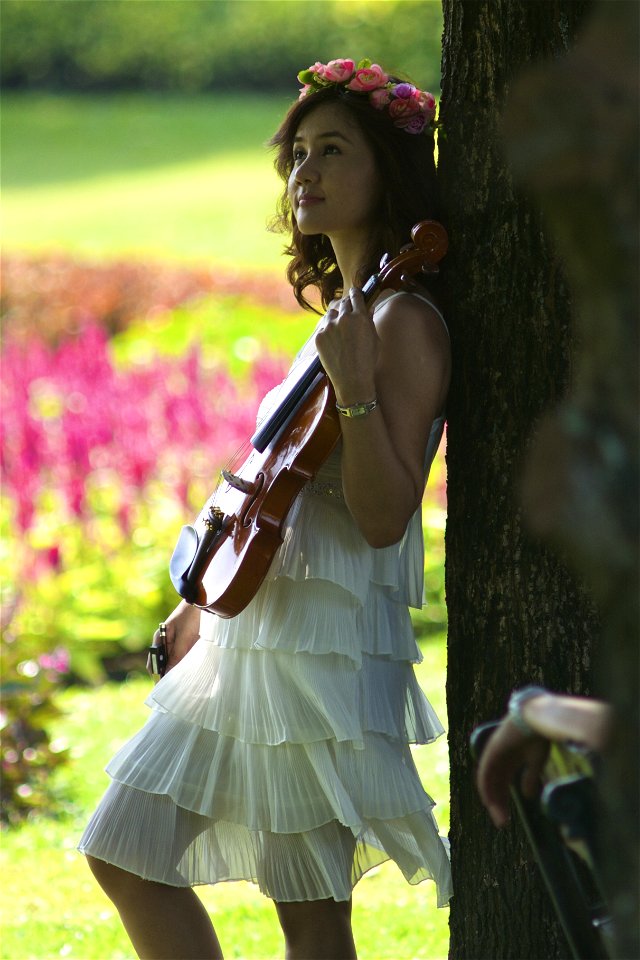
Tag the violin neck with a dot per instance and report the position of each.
(303, 382)
(276, 419)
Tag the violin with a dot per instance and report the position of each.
(220, 561)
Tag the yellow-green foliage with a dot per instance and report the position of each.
(195, 45)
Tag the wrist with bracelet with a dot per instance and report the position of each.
(515, 706)
(361, 409)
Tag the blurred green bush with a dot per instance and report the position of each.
(195, 45)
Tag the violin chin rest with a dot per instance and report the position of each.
(181, 561)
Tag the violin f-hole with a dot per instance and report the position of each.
(245, 518)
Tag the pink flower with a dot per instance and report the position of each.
(368, 78)
(58, 660)
(399, 109)
(380, 98)
(53, 557)
(414, 124)
(427, 100)
(337, 71)
(427, 103)
(404, 101)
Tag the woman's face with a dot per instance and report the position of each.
(334, 186)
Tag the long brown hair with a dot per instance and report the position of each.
(409, 193)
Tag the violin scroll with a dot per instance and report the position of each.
(430, 237)
(430, 243)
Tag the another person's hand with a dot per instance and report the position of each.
(520, 744)
(507, 752)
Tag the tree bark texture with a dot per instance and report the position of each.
(580, 155)
(516, 614)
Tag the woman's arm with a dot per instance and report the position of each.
(403, 360)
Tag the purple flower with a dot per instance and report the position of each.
(414, 124)
(404, 90)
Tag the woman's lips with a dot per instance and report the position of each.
(307, 200)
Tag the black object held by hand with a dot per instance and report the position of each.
(157, 655)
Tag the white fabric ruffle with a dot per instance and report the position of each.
(325, 862)
(322, 542)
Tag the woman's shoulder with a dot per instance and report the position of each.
(414, 304)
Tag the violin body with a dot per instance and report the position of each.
(221, 560)
(240, 555)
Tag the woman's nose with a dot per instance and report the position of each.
(306, 171)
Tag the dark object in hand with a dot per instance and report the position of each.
(157, 655)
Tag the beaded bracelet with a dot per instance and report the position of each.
(517, 701)
(358, 409)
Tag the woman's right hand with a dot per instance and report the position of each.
(182, 632)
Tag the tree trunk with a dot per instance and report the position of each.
(516, 615)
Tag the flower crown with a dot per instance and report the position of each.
(410, 109)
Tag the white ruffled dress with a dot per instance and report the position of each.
(277, 750)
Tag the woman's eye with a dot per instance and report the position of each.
(298, 154)
(331, 148)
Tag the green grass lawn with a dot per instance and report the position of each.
(52, 907)
(141, 175)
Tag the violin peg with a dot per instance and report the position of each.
(431, 269)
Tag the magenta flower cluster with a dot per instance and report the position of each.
(411, 109)
(70, 417)
(57, 662)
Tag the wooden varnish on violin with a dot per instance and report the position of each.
(219, 563)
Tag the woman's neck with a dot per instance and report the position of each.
(350, 256)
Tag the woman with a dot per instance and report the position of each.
(277, 748)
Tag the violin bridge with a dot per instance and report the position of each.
(238, 483)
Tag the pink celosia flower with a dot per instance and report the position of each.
(368, 78)
(70, 416)
(58, 660)
(53, 557)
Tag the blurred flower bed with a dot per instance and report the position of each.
(102, 461)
